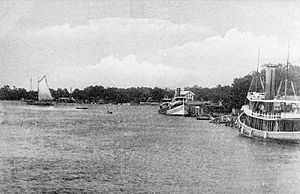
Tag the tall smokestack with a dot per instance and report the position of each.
(270, 81)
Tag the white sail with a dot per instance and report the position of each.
(44, 92)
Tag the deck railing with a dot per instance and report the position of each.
(283, 115)
(268, 116)
(262, 115)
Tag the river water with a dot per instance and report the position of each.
(135, 150)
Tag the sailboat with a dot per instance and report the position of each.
(44, 95)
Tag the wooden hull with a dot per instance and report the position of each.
(46, 103)
(281, 135)
(178, 111)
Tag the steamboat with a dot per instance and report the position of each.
(179, 105)
(270, 115)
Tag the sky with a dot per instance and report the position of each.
(151, 43)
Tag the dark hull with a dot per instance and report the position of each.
(40, 103)
(81, 107)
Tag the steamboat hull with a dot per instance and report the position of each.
(178, 111)
(251, 132)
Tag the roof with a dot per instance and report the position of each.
(186, 92)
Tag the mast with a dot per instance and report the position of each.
(70, 93)
(256, 77)
(38, 89)
(286, 73)
(31, 84)
(183, 108)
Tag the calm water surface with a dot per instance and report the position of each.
(135, 150)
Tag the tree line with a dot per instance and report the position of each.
(231, 96)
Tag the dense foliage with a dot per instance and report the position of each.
(230, 96)
(95, 94)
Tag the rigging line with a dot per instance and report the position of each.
(262, 84)
(294, 90)
(46, 82)
(251, 84)
(279, 89)
(42, 78)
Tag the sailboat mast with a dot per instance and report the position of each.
(31, 84)
(286, 73)
(38, 88)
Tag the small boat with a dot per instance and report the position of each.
(203, 117)
(109, 112)
(44, 95)
(220, 119)
(82, 107)
(164, 106)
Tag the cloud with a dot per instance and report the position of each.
(127, 72)
(10, 14)
(82, 46)
(88, 44)
(138, 52)
(121, 26)
(125, 34)
(226, 57)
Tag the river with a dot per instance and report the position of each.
(135, 150)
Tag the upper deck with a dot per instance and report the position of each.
(255, 96)
(292, 114)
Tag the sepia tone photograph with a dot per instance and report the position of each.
(149, 96)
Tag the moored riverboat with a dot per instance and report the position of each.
(178, 106)
(269, 116)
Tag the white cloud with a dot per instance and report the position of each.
(150, 31)
(88, 44)
(121, 25)
(128, 72)
(229, 56)
(141, 52)
(10, 14)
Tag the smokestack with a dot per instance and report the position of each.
(270, 81)
(178, 92)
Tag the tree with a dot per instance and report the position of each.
(240, 87)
